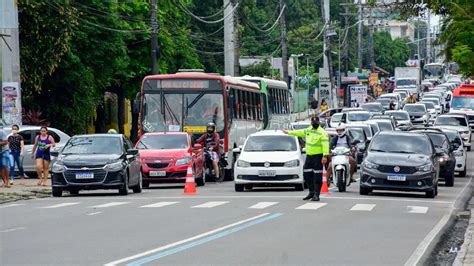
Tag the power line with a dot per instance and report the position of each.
(186, 10)
(274, 24)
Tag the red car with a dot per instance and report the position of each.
(166, 156)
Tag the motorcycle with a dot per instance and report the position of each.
(341, 168)
(209, 168)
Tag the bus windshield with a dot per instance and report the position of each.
(434, 70)
(463, 102)
(191, 109)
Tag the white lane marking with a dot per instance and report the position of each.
(12, 229)
(363, 207)
(262, 205)
(311, 206)
(417, 209)
(210, 204)
(217, 230)
(11, 205)
(110, 204)
(94, 213)
(60, 205)
(159, 204)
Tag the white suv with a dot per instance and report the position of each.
(456, 121)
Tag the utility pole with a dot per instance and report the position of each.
(155, 47)
(236, 41)
(371, 41)
(10, 106)
(359, 38)
(428, 37)
(229, 45)
(346, 16)
(284, 44)
(327, 51)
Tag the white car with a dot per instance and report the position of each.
(269, 157)
(29, 134)
(459, 152)
(402, 117)
(300, 125)
(335, 120)
(431, 108)
(355, 117)
(457, 122)
(439, 108)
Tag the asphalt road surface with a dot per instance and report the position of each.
(221, 227)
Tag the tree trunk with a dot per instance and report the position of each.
(100, 119)
(120, 109)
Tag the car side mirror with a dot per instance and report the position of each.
(197, 146)
(237, 150)
(132, 152)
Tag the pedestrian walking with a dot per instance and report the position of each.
(41, 152)
(317, 153)
(4, 158)
(17, 148)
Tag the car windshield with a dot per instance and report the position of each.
(415, 108)
(357, 134)
(163, 142)
(336, 117)
(367, 130)
(437, 139)
(358, 116)
(429, 105)
(385, 125)
(405, 82)
(411, 144)
(372, 107)
(270, 143)
(451, 121)
(463, 102)
(402, 94)
(400, 115)
(301, 126)
(93, 145)
(431, 100)
(374, 127)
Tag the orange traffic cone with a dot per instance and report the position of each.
(324, 187)
(190, 185)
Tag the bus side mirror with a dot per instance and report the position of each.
(136, 107)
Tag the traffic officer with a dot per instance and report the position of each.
(317, 152)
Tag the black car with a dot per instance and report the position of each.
(445, 149)
(359, 136)
(418, 113)
(99, 161)
(400, 161)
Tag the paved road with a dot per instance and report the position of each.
(221, 227)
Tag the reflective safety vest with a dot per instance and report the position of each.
(317, 140)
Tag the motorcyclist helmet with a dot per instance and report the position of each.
(211, 128)
(341, 130)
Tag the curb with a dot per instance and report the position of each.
(429, 243)
(466, 247)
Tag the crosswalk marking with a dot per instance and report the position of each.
(11, 205)
(59, 205)
(311, 206)
(417, 209)
(159, 204)
(363, 207)
(210, 204)
(110, 204)
(262, 205)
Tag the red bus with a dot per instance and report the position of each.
(188, 101)
(462, 101)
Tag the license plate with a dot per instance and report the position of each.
(157, 173)
(267, 173)
(87, 175)
(396, 178)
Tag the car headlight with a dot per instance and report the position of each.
(184, 161)
(292, 163)
(115, 166)
(241, 163)
(458, 153)
(424, 168)
(443, 158)
(464, 133)
(370, 165)
(58, 167)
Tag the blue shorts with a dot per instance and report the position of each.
(4, 160)
(45, 156)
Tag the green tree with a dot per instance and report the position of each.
(390, 53)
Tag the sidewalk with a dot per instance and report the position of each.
(24, 189)
(466, 253)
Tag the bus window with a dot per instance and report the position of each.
(254, 106)
(241, 104)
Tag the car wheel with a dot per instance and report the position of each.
(74, 191)
(57, 192)
(202, 180)
(299, 187)
(463, 172)
(249, 187)
(449, 179)
(239, 187)
(139, 187)
(364, 191)
(124, 190)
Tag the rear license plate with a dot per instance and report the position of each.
(87, 175)
(397, 178)
(157, 173)
(267, 173)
